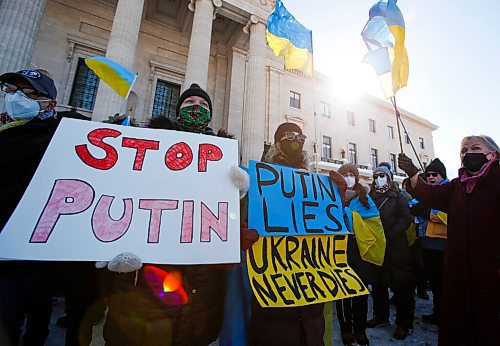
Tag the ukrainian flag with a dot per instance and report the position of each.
(384, 36)
(288, 38)
(368, 231)
(113, 74)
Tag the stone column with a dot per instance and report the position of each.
(121, 48)
(19, 24)
(199, 45)
(253, 117)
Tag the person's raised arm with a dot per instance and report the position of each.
(406, 164)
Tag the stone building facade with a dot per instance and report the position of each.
(219, 44)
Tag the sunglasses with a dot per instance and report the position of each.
(431, 174)
(381, 175)
(11, 88)
(292, 136)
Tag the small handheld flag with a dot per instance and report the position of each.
(113, 74)
(288, 38)
(384, 36)
(126, 121)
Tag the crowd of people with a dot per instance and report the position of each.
(430, 232)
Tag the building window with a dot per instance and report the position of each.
(325, 109)
(371, 124)
(85, 87)
(350, 118)
(294, 99)
(421, 141)
(390, 130)
(166, 97)
(374, 157)
(407, 138)
(393, 162)
(352, 153)
(327, 147)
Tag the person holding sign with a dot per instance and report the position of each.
(301, 325)
(470, 305)
(169, 304)
(30, 100)
(365, 247)
(397, 270)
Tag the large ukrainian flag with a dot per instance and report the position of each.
(384, 36)
(113, 74)
(288, 38)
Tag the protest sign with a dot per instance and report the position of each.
(289, 201)
(301, 270)
(103, 189)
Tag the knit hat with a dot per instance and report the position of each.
(388, 165)
(436, 166)
(286, 127)
(194, 90)
(383, 169)
(349, 168)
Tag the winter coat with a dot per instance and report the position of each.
(303, 325)
(21, 150)
(138, 316)
(397, 270)
(470, 305)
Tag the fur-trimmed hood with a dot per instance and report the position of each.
(354, 192)
(276, 155)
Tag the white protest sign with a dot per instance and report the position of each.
(103, 189)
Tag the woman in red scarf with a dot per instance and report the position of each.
(470, 312)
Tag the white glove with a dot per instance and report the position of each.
(125, 262)
(240, 179)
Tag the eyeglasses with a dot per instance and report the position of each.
(11, 88)
(381, 175)
(431, 174)
(292, 135)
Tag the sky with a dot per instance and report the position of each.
(454, 54)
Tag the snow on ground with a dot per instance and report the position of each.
(423, 333)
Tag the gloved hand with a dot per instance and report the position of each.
(406, 164)
(247, 236)
(125, 262)
(339, 180)
(240, 179)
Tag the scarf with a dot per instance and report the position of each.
(470, 180)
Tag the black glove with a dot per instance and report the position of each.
(405, 163)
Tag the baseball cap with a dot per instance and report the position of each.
(39, 81)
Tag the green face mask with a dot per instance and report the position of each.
(194, 116)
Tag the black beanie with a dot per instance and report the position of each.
(436, 166)
(286, 127)
(194, 90)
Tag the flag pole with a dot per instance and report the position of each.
(124, 108)
(316, 168)
(396, 112)
(400, 120)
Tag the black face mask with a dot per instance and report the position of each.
(474, 161)
(292, 149)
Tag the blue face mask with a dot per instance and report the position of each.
(19, 106)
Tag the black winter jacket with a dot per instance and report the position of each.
(21, 150)
(396, 218)
(138, 316)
